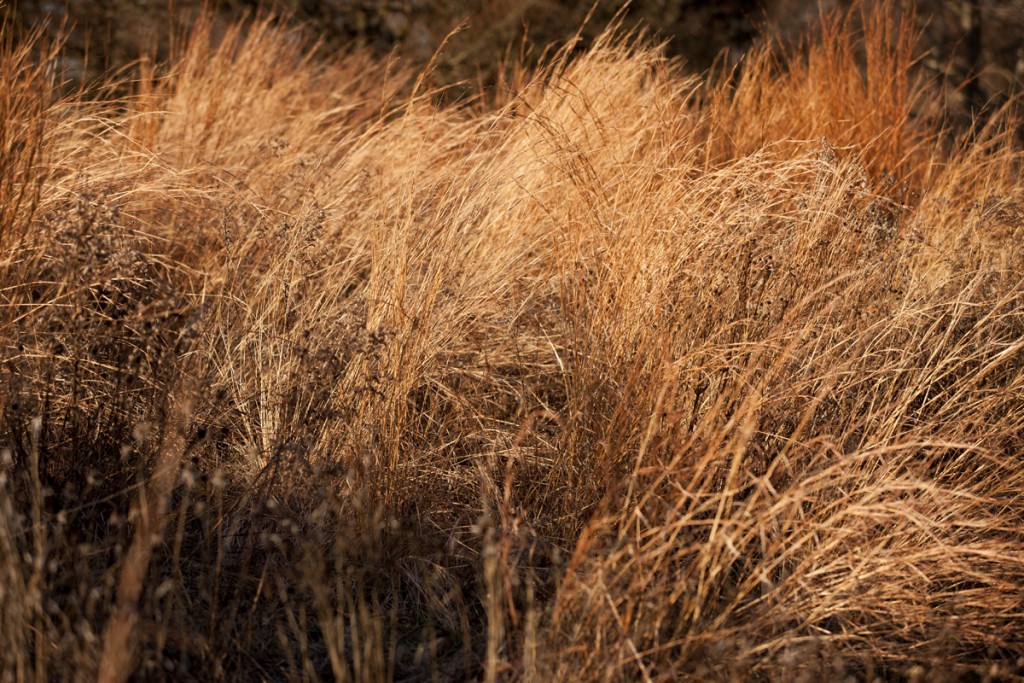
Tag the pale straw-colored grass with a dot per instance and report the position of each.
(618, 374)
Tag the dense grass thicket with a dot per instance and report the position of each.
(612, 373)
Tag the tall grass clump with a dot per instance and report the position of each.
(618, 373)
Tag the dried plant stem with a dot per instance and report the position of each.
(118, 658)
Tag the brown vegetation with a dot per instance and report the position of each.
(610, 373)
(974, 48)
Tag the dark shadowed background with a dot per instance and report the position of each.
(976, 47)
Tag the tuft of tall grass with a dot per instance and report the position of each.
(618, 374)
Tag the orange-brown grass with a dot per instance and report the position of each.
(621, 375)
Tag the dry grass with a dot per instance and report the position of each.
(612, 375)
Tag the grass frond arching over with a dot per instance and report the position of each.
(622, 374)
